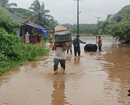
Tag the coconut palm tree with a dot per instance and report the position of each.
(5, 4)
(40, 15)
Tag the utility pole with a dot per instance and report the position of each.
(98, 19)
(77, 17)
(97, 26)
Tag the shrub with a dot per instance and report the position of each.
(13, 51)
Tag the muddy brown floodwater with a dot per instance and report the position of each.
(94, 78)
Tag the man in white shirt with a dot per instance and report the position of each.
(59, 57)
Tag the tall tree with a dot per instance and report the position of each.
(40, 15)
(117, 25)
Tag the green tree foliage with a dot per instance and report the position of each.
(40, 15)
(117, 25)
(6, 23)
(87, 29)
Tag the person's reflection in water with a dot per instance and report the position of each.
(58, 96)
(68, 58)
(99, 56)
(76, 59)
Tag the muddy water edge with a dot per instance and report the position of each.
(94, 78)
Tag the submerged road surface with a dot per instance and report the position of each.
(94, 78)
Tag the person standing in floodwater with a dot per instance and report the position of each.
(69, 47)
(60, 57)
(99, 43)
(76, 43)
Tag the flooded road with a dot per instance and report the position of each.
(94, 78)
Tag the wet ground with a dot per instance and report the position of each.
(94, 78)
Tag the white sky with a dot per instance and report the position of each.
(65, 11)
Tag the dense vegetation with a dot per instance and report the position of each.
(5, 22)
(13, 51)
(117, 25)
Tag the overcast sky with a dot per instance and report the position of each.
(65, 11)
